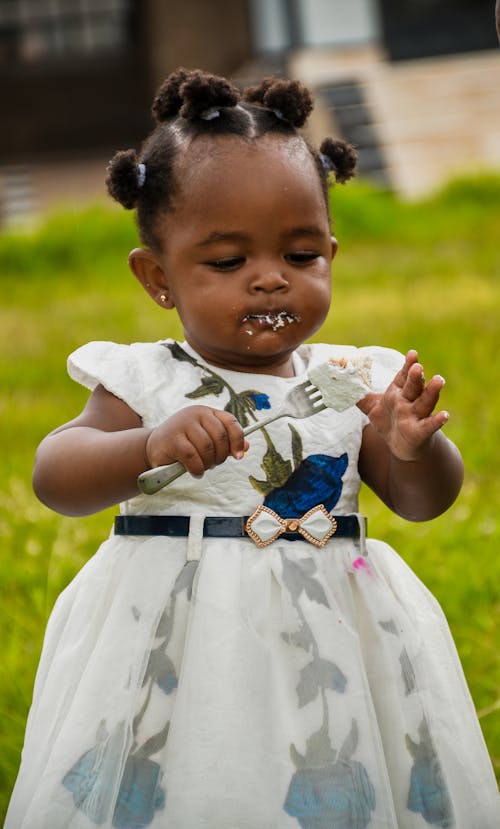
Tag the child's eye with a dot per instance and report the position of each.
(229, 263)
(301, 257)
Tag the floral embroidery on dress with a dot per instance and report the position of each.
(242, 405)
(92, 780)
(428, 791)
(317, 480)
(328, 789)
(291, 487)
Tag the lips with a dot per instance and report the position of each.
(273, 319)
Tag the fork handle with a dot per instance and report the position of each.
(152, 480)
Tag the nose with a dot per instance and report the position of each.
(269, 277)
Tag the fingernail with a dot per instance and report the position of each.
(239, 455)
(440, 377)
(446, 415)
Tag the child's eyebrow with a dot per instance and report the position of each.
(223, 236)
(238, 236)
(306, 230)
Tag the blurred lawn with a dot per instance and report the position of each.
(422, 275)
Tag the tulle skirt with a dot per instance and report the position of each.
(269, 688)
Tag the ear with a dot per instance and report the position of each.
(147, 269)
(335, 247)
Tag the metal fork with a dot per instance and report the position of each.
(302, 401)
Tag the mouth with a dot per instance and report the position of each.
(272, 319)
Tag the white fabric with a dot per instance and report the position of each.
(248, 688)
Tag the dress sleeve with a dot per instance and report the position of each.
(386, 362)
(112, 365)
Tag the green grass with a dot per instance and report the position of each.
(422, 275)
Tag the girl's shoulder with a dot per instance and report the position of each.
(129, 371)
(92, 362)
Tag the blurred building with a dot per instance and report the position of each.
(413, 83)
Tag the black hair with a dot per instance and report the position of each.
(193, 103)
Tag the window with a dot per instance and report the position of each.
(33, 31)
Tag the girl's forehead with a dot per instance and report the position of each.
(228, 155)
(262, 187)
(238, 166)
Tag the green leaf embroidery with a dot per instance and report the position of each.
(297, 758)
(261, 486)
(276, 468)
(297, 451)
(209, 385)
(319, 750)
(350, 743)
(178, 353)
(155, 743)
(237, 408)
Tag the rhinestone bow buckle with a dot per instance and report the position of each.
(316, 526)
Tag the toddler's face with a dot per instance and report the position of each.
(247, 252)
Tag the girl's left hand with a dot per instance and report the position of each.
(403, 415)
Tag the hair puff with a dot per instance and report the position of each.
(202, 91)
(342, 156)
(291, 99)
(168, 100)
(122, 178)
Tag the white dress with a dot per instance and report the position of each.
(190, 683)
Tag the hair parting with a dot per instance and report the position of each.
(190, 104)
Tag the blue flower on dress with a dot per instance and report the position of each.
(330, 790)
(92, 782)
(260, 399)
(428, 791)
(339, 795)
(92, 778)
(317, 480)
(140, 794)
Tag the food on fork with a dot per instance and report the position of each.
(343, 381)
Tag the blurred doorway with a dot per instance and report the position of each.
(422, 28)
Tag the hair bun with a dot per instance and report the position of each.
(342, 157)
(191, 93)
(122, 178)
(168, 100)
(201, 92)
(291, 100)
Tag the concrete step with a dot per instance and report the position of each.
(430, 119)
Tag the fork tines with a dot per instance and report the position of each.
(314, 394)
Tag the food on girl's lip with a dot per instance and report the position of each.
(343, 381)
(274, 320)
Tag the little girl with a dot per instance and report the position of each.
(196, 675)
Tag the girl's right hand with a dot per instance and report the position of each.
(199, 437)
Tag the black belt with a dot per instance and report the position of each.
(215, 527)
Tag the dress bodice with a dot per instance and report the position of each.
(291, 463)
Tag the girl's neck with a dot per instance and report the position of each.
(285, 366)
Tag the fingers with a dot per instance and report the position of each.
(404, 415)
(426, 401)
(402, 375)
(237, 443)
(369, 402)
(200, 438)
(411, 381)
(408, 392)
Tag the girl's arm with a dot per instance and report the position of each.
(404, 457)
(93, 461)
